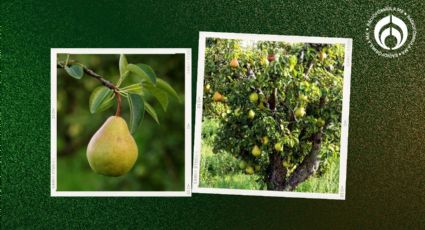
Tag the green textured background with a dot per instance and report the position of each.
(386, 153)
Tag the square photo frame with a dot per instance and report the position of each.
(163, 167)
(264, 122)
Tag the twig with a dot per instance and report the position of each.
(310, 67)
(104, 82)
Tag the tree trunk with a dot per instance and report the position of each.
(310, 164)
(307, 168)
(276, 173)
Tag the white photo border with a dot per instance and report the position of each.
(347, 42)
(187, 192)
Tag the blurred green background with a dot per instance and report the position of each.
(160, 165)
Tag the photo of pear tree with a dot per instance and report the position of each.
(271, 115)
(112, 150)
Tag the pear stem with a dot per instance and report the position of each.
(102, 80)
(118, 113)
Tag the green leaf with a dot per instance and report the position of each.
(159, 94)
(137, 111)
(123, 65)
(134, 88)
(151, 112)
(143, 71)
(106, 104)
(75, 71)
(97, 98)
(167, 88)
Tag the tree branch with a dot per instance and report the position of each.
(310, 67)
(102, 80)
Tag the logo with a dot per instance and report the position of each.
(390, 32)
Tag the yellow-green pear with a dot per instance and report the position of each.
(299, 112)
(112, 150)
(253, 97)
(249, 170)
(256, 151)
(242, 164)
(278, 147)
(251, 114)
(320, 122)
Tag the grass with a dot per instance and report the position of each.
(327, 183)
(222, 170)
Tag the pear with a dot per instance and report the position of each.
(253, 97)
(278, 147)
(249, 170)
(242, 164)
(320, 122)
(217, 97)
(234, 63)
(299, 112)
(112, 150)
(251, 114)
(256, 151)
(322, 55)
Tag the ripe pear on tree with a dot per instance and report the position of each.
(218, 97)
(249, 170)
(234, 63)
(112, 150)
(251, 114)
(253, 97)
(299, 112)
(256, 151)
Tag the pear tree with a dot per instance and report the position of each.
(284, 103)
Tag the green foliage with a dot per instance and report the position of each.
(158, 93)
(102, 97)
(143, 71)
(163, 85)
(151, 111)
(123, 63)
(209, 129)
(299, 89)
(136, 105)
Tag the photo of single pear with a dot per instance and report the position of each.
(112, 150)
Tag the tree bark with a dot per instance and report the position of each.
(276, 173)
(307, 167)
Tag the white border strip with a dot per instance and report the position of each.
(188, 120)
(345, 112)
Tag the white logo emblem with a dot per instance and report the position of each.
(400, 35)
(391, 23)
